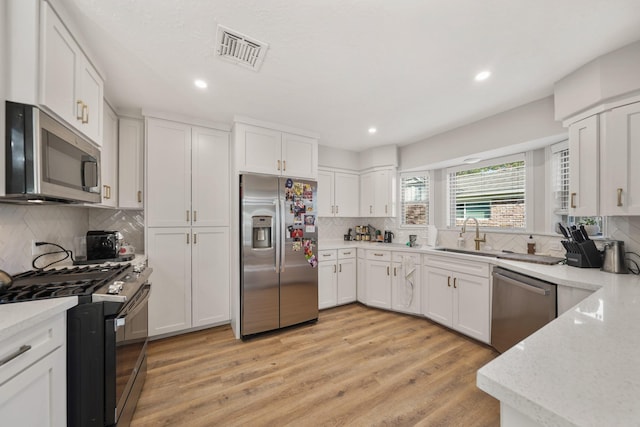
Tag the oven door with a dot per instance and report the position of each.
(125, 362)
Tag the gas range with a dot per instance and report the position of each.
(109, 282)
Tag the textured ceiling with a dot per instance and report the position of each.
(337, 67)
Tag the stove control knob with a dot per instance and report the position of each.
(115, 287)
(138, 268)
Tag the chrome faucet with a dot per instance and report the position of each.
(477, 239)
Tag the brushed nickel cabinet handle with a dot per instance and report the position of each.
(195, 216)
(195, 239)
(573, 204)
(378, 254)
(23, 349)
(187, 215)
(336, 208)
(449, 281)
(385, 209)
(105, 191)
(85, 114)
(370, 209)
(394, 271)
(388, 273)
(278, 164)
(187, 238)
(139, 196)
(454, 282)
(334, 269)
(340, 271)
(284, 165)
(619, 196)
(109, 188)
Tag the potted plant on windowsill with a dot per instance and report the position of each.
(590, 225)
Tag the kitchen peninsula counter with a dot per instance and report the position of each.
(20, 316)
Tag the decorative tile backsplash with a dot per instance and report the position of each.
(20, 225)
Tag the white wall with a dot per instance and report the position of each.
(528, 126)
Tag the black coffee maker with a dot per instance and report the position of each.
(388, 236)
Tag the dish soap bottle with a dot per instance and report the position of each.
(460, 241)
(531, 245)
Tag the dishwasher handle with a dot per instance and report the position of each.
(525, 286)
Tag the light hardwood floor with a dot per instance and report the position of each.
(356, 366)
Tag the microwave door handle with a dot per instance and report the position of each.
(89, 173)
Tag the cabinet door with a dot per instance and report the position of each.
(37, 396)
(327, 284)
(471, 314)
(346, 194)
(299, 156)
(109, 158)
(366, 194)
(169, 251)
(347, 280)
(379, 284)
(168, 174)
(620, 192)
(90, 92)
(439, 298)
(130, 164)
(325, 194)
(60, 56)
(210, 275)
(210, 177)
(583, 167)
(259, 150)
(405, 287)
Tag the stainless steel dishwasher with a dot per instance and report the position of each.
(521, 305)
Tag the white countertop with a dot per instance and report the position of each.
(16, 317)
(581, 369)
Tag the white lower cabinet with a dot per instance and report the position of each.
(33, 383)
(378, 277)
(336, 277)
(405, 282)
(458, 295)
(190, 282)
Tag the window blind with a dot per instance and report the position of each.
(560, 177)
(493, 193)
(414, 198)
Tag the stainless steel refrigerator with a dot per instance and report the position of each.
(278, 268)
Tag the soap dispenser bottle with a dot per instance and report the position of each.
(460, 241)
(531, 245)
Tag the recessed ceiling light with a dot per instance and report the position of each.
(483, 75)
(373, 130)
(471, 160)
(200, 84)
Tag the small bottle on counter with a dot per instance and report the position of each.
(460, 241)
(531, 245)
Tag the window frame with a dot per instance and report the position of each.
(429, 218)
(525, 157)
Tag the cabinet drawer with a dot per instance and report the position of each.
(462, 266)
(401, 256)
(31, 345)
(346, 253)
(375, 255)
(328, 255)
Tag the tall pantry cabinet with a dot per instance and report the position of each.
(187, 215)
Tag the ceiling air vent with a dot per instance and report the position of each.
(240, 49)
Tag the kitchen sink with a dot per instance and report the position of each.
(536, 259)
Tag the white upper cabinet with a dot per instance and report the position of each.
(338, 194)
(109, 158)
(620, 157)
(583, 166)
(269, 151)
(130, 163)
(70, 85)
(188, 175)
(377, 193)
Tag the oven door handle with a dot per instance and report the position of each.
(139, 303)
(525, 286)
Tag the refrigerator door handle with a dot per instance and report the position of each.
(282, 236)
(277, 226)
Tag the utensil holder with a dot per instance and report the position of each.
(583, 254)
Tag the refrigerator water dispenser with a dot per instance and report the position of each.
(261, 235)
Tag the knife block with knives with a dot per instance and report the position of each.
(581, 250)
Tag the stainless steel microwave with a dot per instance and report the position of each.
(46, 161)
